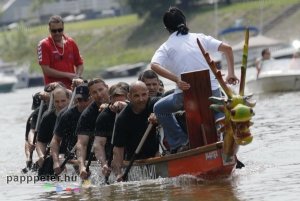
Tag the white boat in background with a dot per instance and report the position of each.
(22, 73)
(7, 83)
(278, 75)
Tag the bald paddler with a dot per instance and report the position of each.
(131, 124)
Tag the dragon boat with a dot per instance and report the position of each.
(213, 144)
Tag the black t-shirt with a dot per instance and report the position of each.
(45, 132)
(104, 128)
(105, 123)
(28, 125)
(65, 128)
(86, 124)
(87, 120)
(130, 128)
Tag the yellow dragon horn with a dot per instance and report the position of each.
(244, 63)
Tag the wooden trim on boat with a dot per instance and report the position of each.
(199, 117)
(191, 152)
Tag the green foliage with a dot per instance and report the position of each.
(130, 39)
(36, 4)
(16, 44)
(154, 7)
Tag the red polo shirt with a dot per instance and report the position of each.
(52, 56)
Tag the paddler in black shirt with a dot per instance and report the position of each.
(61, 98)
(131, 125)
(105, 123)
(66, 124)
(98, 90)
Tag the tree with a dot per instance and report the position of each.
(36, 4)
(155, 8)
(187, 3)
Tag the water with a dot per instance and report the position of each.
(272, 169)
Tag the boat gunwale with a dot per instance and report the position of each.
(188, 153)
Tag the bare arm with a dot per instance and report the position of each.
(31, 136)
(118, 160)
(79, 70)
(169, 75)
(258, 67)
(57, 74)
(54, 145)
(227, 50)
(82, 144)
(99, 148)
(41, 149)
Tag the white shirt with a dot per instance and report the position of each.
(181, 54)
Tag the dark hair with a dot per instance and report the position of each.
(264, 51)
(148, 74)
(95, 81)
(53, 85)
(55, 19)
(174, 20)
(123, 85)
(36, 101)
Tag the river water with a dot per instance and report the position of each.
(272, 161)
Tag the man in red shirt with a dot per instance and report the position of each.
(58, 55)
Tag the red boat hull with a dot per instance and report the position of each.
(205, 162)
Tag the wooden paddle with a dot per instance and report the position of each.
(87, 181)
(109, 160)
(45, 170)
(50, 102)
(69, 156)
(72, 99)
(90, 159)
(137, 151)
(37, 126)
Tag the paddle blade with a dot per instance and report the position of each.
(24, 170)
(47, 167)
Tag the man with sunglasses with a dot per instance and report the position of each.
(65, 137)
(58, 55)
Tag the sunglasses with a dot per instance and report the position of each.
(56, 30)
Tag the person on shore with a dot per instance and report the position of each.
(105, 124)
(85, 130)
(180, 54)
(61, 98)
(58, 55)
(150, 78)
(295, 62)
(64, 135)
(259, 63)
(131, 125)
